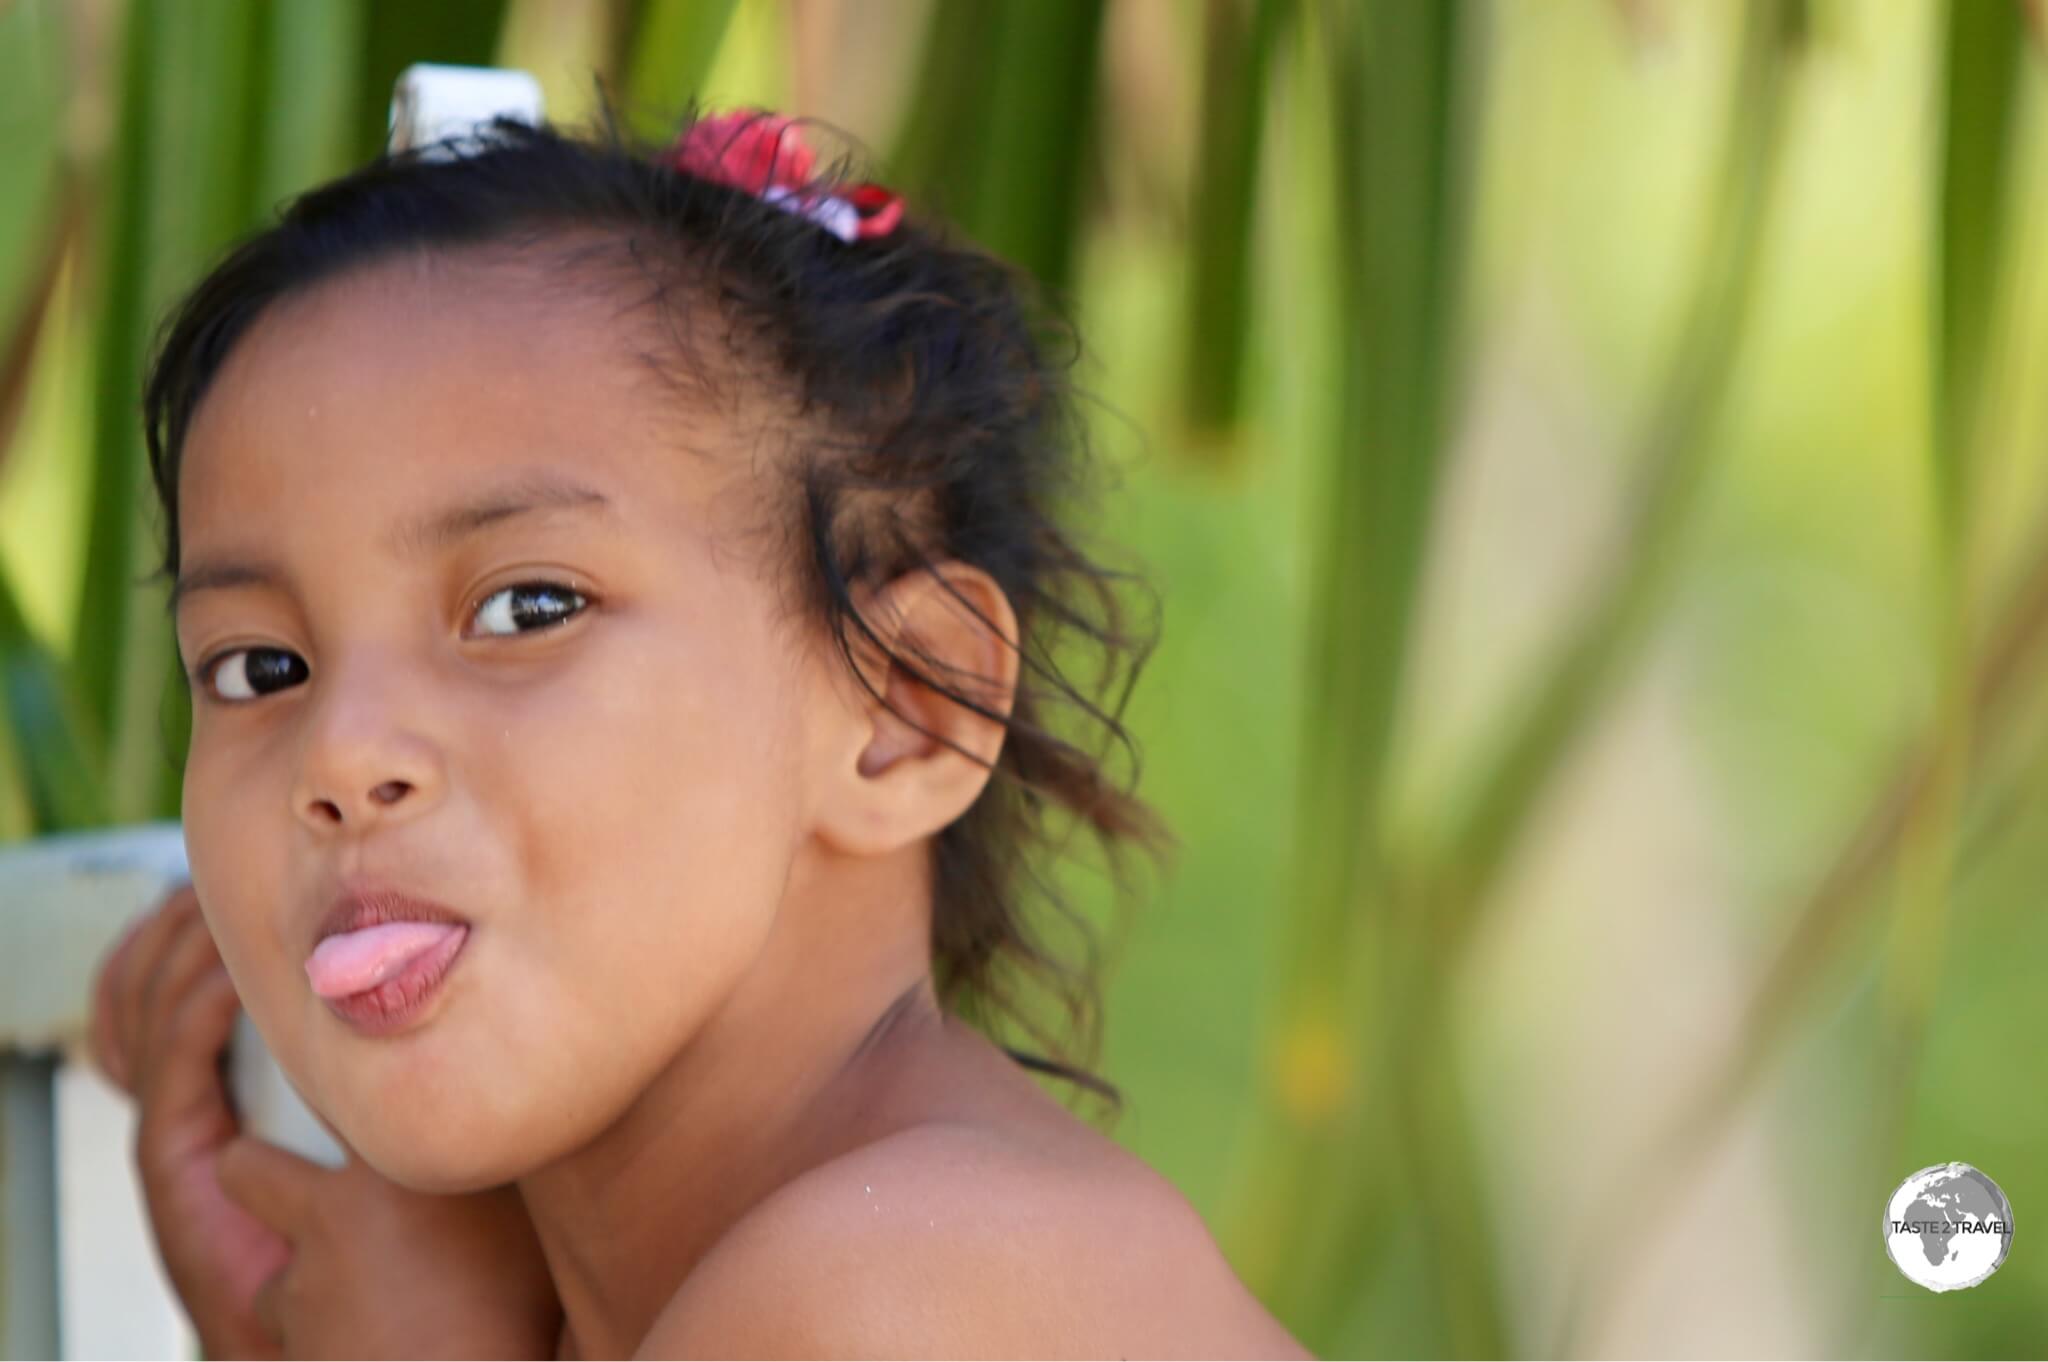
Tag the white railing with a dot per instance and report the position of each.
(80, 1276)
(79, 1272)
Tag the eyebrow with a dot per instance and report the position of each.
(417, 537)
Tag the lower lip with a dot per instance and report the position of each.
(401, 1000)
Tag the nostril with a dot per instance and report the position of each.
(390, 792)
(329, 808)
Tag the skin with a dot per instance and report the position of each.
(694, 1023)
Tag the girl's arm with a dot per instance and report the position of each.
(273, 1255)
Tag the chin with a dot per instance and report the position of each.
(444, 1138)
(444, 1166)
(434, 1177)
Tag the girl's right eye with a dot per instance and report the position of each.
(249, 673)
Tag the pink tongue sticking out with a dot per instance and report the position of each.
(350, 962)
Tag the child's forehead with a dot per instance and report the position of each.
(434, 311)
(431, 356)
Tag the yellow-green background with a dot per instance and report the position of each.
(1592, 456)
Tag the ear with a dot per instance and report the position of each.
(900, 771)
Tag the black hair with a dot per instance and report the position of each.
(931, 382)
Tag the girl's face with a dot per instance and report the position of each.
(604, 777)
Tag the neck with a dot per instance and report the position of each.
(780, 1079)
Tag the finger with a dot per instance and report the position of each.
(183, 962)
(103, 1039)
(272, 1184)
(112, 987)
(137, 960)
(268, 1305)
(181, 1083)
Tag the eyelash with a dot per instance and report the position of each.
(207, 670)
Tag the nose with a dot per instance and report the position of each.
(366, 760)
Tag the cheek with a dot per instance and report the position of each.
(656, 800)
(236, 846)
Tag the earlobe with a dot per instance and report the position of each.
(916, 758)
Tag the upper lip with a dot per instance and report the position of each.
(363, 905)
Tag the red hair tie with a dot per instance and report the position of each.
(764, 154)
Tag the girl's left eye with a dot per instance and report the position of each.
(545, 604)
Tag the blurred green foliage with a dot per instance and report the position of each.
(1592, 463)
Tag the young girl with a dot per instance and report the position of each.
(619, 594)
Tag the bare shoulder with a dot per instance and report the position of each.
(955, 1240)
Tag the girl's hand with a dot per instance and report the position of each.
(380, 1271)
(275, 1256)
(163, 1007)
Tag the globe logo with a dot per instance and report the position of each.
(1948, 1227)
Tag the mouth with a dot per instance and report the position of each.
(381, 957)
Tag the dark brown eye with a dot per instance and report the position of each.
(528, 607)
(250, 673)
